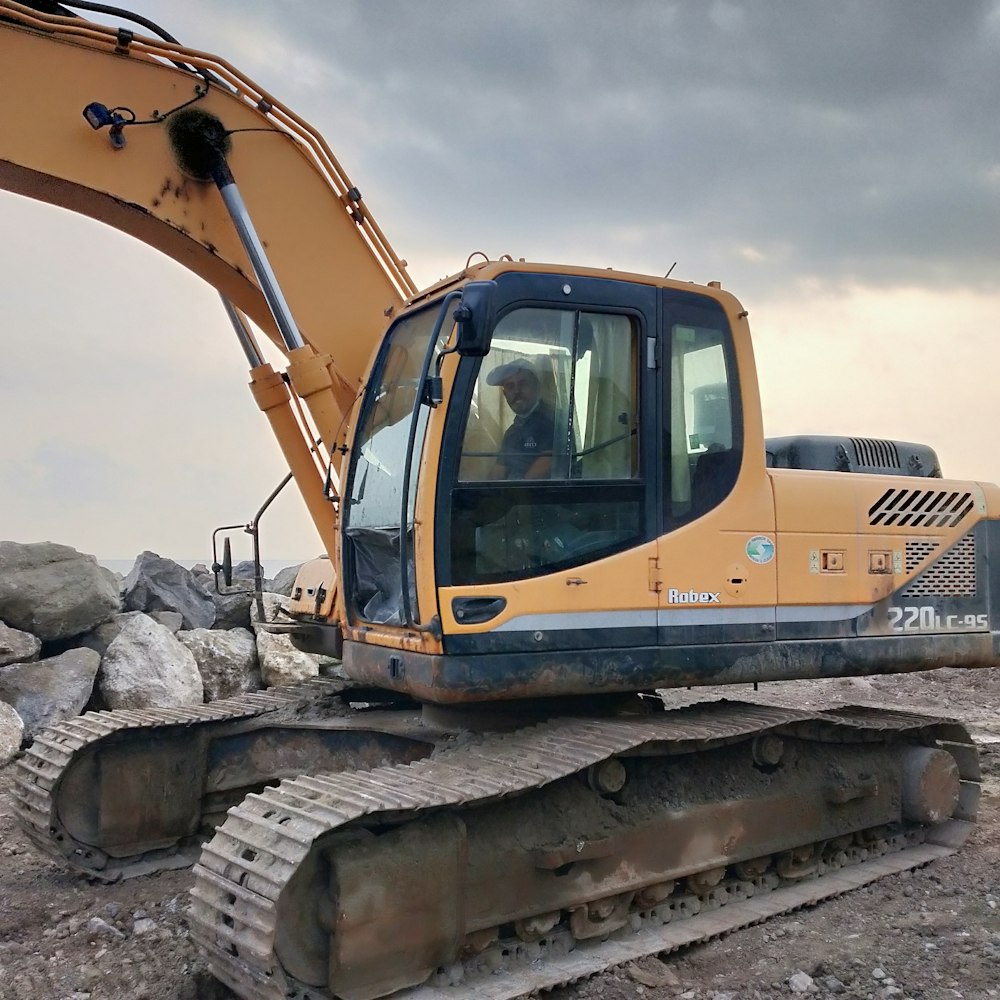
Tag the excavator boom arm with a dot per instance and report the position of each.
(335, 267)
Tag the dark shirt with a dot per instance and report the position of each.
(529, 437)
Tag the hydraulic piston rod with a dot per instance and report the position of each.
(226, 184)
(200, 142)
(243, 334)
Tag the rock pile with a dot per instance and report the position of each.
(76, 637)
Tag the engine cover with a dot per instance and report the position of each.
(851, 454)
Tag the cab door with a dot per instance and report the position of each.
(717, 555)
(551, 551)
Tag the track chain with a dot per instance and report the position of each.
(40, 771)
(244, 868)
(514, 969)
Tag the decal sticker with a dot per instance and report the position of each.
(760, 549)
(927, 618)
(675, 596)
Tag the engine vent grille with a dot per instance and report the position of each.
(918, 550)
(920, 508)
(953, 575)
(875, 454)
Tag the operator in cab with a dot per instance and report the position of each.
(526, 448)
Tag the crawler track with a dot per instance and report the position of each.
(40, 772)
(245, 869)
(516, 970)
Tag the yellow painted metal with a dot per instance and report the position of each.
(710, 553)
(311, 379)
(821, 512)
(340, 276)
(617, 583)
(273, 397)
(316, 577)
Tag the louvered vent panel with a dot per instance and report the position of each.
(918, 550)
(920, 508)
(953, 575)
(875, 454)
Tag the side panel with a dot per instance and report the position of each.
(712, 590)
(718, 561)
(594, 606)
(872, 555)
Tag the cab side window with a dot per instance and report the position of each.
(704, 440)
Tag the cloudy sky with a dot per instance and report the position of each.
(837, 166)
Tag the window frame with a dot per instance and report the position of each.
(594, 295)
(680, 308)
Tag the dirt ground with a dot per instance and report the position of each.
(932, 934)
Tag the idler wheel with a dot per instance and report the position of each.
(930, 785)
(608, 776)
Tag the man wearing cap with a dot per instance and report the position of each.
(526, 449)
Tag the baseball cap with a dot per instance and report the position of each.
(501, 373)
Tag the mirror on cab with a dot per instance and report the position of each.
(474, 316)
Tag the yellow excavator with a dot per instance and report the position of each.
(545, 494)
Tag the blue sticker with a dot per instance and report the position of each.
(760, 549)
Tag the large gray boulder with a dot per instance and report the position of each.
(280, 661)
(172, 620)
(245, 568)
(17, 646)
(11, 733)
(227, 660)
(158, 584)
(285, 580)
(51, 690)
(233, 610)
(147, 667)
(100, 638)
(53, 591)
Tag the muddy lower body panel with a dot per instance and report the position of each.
(583, 842)
(125, 793)
(561, 664)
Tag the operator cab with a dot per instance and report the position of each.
(585, 416)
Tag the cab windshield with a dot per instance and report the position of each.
(378, 514)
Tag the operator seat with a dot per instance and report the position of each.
(714, 477)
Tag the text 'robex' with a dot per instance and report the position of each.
(675, 596)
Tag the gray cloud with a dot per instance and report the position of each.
(850, 141)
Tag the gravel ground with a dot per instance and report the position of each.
(932, 934)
